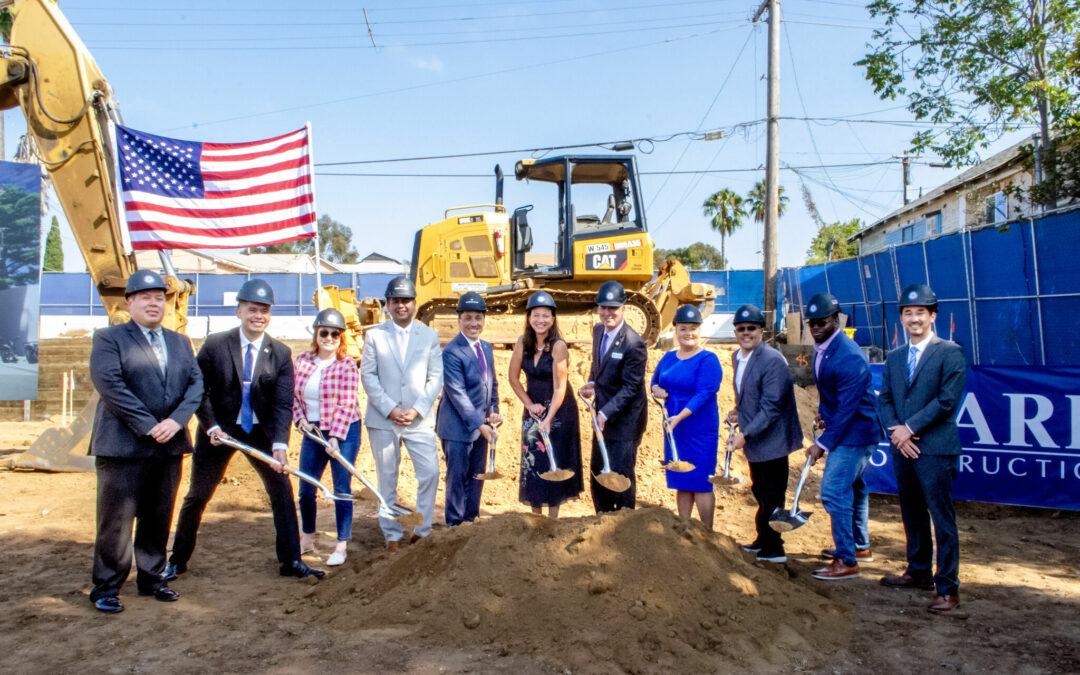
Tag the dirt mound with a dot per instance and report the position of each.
(632, 591)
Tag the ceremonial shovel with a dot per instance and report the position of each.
(491, 473)
(399, 513)
(616, 482)
(726, 479)
(676, 464)
(786, 521)
(267, 459)
(555, 473)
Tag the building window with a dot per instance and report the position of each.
(996, 208)
(907, 233)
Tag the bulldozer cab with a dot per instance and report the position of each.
(600, 224)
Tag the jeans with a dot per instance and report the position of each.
(844, 495)
(313, 460)
(925, 487)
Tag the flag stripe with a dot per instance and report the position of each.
(259, 189)
(226, 200)
(249, 146)
(255, 172)
(267, 159)
(227, 212)
(221, 232)
(154, 242)
(243, 183)
(214, 223)
(254, 154)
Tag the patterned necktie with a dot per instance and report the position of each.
(247, 416)
(159, 350)
(483, 362)
(912, 359)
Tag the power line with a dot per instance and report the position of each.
(755, 169)
(802, 104)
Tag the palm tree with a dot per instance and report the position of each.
(727, 210)
(756, 201)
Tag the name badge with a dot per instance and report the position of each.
(616, 355)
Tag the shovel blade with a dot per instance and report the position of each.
(558, 475)
(616, 482)
(679, 467)
(725, 481)
(492, 475)
(786, 521)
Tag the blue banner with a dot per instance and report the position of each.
(1020, 438)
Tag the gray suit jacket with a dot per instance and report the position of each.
(135, 395)
(390, 382)
(930, 403)
(768, 416)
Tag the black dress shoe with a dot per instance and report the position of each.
(299, 569)
(162, 593)
(172, 570)
(110, 604)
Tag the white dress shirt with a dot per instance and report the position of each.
(741, 362)
(401, 338)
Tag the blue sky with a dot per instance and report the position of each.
(454, 77)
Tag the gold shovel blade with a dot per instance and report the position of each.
(679, 466)
(616, 482)
(556, 476)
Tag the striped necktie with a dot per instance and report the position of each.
(912, 359)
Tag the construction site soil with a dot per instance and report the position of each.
(636, 591)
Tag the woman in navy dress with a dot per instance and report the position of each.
(544, 357)
(688, 379)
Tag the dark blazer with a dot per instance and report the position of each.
(929, 404)
(135, 396)
(271, 387)
(768, 416)
(846, 396)
(619, 378)
(466, 400)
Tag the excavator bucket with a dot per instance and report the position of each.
(60, 448)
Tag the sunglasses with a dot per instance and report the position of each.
(745, 329)
(818, 323)
(335, 334)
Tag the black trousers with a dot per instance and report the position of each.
(139, 495)
(768, 484)
(207, 469)
(925, 487)
(622, 455)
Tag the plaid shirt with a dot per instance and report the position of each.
(338, 391)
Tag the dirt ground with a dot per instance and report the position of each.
(630, 592)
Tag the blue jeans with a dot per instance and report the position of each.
(846, 499)
(313, 460)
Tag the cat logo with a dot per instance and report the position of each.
(606, 261)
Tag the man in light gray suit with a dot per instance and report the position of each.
(769, 427)
(402, 373)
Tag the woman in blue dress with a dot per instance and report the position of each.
(688, 379)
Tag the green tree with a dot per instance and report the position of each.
(978, 69)
(726, 211)
(756, 201)
(335, 243)
(54, 251)
(20, 236)
(831, 242)
(696, 256)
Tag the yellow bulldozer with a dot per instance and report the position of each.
(485, 248)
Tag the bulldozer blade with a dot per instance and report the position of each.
(616, 482)
(59, 449)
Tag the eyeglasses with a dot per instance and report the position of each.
(818, 323)
(334, 334)
(745, 329)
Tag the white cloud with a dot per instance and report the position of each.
(434, 64)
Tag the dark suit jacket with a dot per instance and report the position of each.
(619, 378)
(929, 404)
(271, 387)
(768, 417)
(135, 396)
(466, 400)
(846, 395)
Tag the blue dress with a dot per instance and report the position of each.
(692, 384)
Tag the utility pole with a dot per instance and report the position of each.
(772, 160)
(905, 174)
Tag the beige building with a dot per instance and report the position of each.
(978, 196)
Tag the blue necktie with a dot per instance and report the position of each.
(247, 416)
(603, 345)
(912, 359)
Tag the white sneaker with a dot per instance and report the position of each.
(336, 558)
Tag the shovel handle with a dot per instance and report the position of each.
(669, 434)
(547, 442)
(267, 459)
(799, 487)
(599, 434)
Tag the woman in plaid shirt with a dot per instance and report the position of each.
(325, 396)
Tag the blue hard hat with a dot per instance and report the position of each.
(611, 294)
(918, 295)
(540, 299)
(822, 306)
(330, 318)
(401, 287)
(688, 314)
(256, 290)
(471, 302)
(749, 314)
(144, 280)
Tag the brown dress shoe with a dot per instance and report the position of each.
(943, 603)
(836, 570)
(414, 538)
(905, 580)
(861, 554)
(393, 546)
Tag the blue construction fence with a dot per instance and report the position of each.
(1009, 295)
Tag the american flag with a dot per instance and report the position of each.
(186, 194)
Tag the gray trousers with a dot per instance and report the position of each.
(386, 449)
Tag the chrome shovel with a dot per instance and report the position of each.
(616, 482)
(268, 459)
(727, 479)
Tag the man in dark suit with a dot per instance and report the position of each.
(920, 395)
(617, 380)
(248, 377)
(150, 386)
(847, 413)
(468, 411)
(769, 428)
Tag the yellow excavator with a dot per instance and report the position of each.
(484, 248)
(47, 72)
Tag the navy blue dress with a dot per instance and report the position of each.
(565, 436)
(692, 384)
